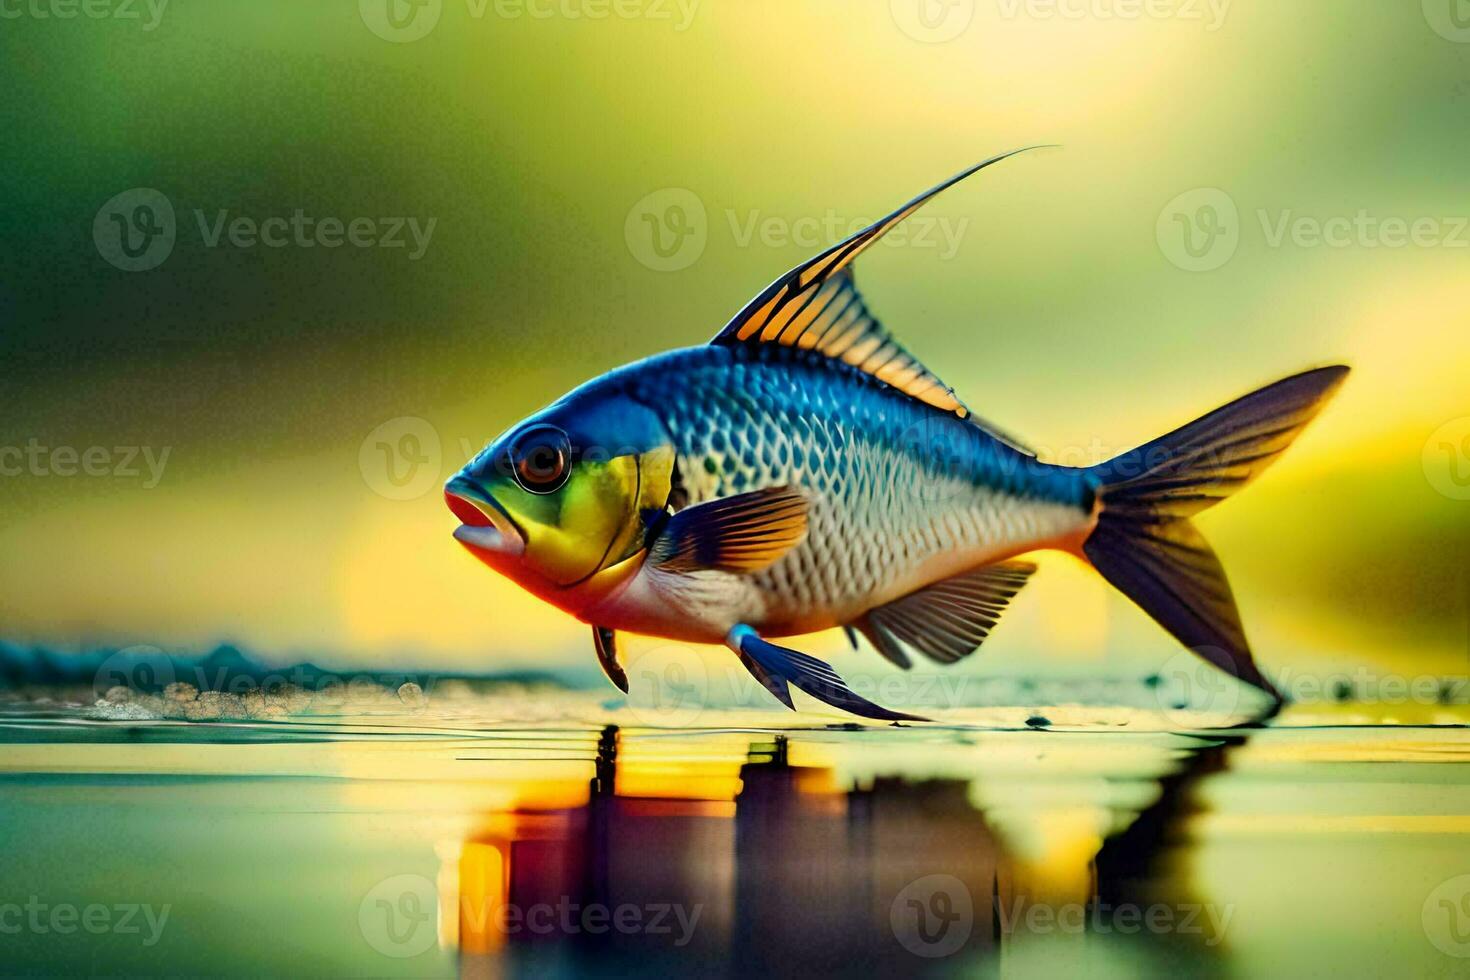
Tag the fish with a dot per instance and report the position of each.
(803, 471)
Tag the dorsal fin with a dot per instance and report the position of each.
(817, 306)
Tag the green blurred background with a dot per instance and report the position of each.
(312, 399)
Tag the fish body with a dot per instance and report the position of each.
(804, 471)
(900, 494)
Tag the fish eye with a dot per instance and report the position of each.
(540, 459)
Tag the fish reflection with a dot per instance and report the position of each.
(758, 855)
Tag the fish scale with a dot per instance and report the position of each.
(878, 509)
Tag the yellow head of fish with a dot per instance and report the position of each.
(565, 494)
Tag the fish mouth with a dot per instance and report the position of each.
(485, 526)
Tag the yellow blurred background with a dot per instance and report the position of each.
(1224, 209)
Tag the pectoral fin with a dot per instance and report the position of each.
(743, 533)
(947, 620)
(774, 666)
(606, 642)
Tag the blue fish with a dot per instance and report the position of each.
(804, 471)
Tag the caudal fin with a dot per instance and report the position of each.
(1144, 543)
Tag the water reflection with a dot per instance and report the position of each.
(758, 855)
(438, 845)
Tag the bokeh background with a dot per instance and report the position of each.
(311, 400)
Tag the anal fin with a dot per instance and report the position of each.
(948, 620)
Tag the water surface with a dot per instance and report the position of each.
(508, 831)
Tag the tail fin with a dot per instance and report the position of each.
(1144, 543)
